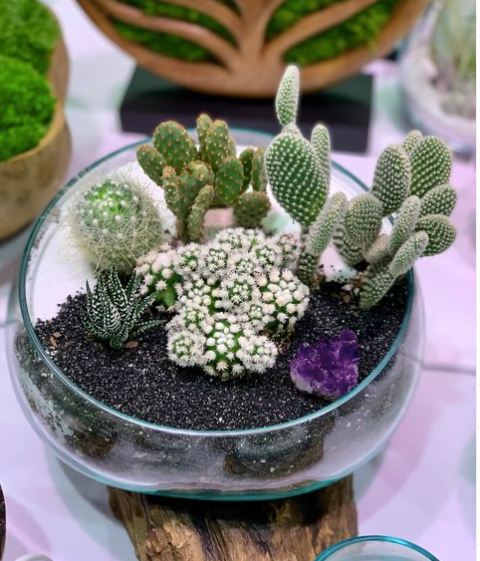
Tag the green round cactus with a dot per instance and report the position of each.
(114, 224)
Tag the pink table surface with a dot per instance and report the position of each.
(422, 488)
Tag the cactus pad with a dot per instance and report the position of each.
(286, 102)
(410, 251)
(197, 214)
(431, 162)
(439, 200)
(321, 144)
(229, 181)
(405, 223)
(441, 233)
(363, 219)
(392, 179)
(152, 162)
(174, 144)
(251, 209)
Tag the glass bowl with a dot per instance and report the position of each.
(264, 463)
(375, 548)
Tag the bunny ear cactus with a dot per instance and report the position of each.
(286, 102)
(431, 162)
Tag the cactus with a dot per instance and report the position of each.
(230, 296)
(363, 219)
(321, 144)
(114, 223)
(392, 179)
(184, 175)
(174, 144)
(196, 217)
(439, 200)
(251, 209)
(405, 223)
(319, 237)
(408, 253)
(376, 283)
(431, 162)
(412, 139)
(295, 177)
(114, 313)
(286, 102)
(441, 233)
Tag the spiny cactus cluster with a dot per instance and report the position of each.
(299, 172)
(195, 180)
(230, 295)
(114, 223)
(114, 313)
(411, 180)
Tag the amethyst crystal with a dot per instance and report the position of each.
(329, 368)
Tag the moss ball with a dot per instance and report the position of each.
(28, 32)
(26, 107)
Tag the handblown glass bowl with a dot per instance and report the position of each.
(375, 548)
(264, 463)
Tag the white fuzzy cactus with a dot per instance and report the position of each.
(230, 295)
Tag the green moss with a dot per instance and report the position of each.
(360, 29)
(26, 107)
(165, 43)
(28, 32)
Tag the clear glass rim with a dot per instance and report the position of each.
(361, 539)
(173, 430)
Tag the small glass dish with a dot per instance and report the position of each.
(121, 451)
(375, 548)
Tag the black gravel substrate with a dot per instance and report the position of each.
(142, 382)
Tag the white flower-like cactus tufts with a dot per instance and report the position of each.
(230, 295)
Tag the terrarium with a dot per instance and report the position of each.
(376, 548)
(438, 71)
(206, 320)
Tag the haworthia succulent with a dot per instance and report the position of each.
(392, 179)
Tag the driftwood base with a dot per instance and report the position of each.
(296, 529)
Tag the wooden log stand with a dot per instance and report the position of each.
(295, 529)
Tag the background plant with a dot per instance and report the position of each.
(232, 295)
(114, 223)
(28, 32)
(195, 180)
(27, 107)
(114, 313)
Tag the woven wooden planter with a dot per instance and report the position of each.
(28, 181)
(253, 67)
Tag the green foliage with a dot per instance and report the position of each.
(114, 224)
(392, 179)
(175, 164)
(360, 29)
(28, 32)
(286, 101)
(26, 107)
(114, 313)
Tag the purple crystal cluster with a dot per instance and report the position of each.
(328, 369)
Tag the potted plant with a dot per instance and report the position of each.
(34, 138)
(224, 47)
(263, 355)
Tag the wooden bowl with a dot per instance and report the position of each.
(28, 181)
(254, 67)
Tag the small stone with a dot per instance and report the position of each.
(131, 345)
(53, 341)
(57, 334)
